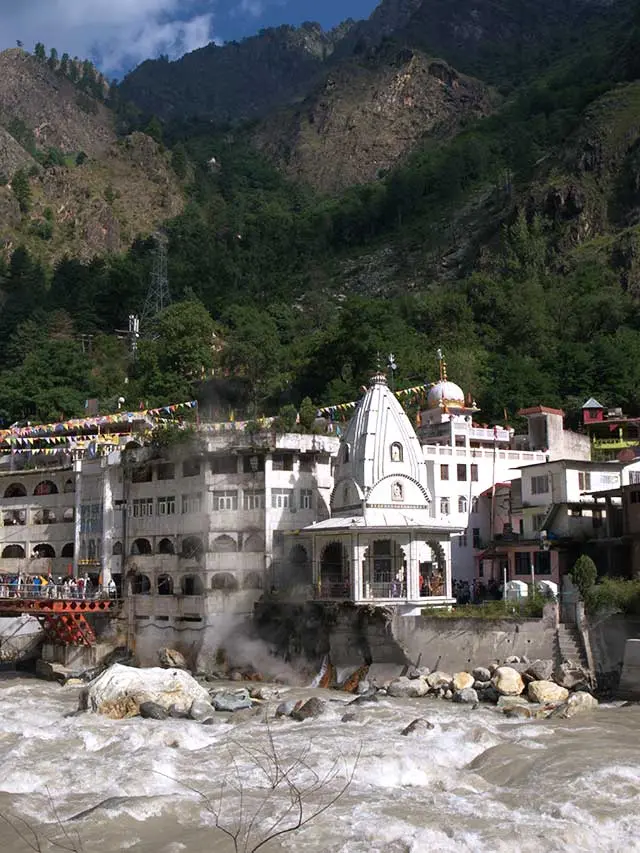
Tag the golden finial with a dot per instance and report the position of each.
(443, 366)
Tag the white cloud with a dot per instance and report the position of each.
(118, 33)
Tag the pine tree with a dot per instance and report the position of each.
(40, 52)
(53, 59)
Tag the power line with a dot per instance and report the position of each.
(158, 296)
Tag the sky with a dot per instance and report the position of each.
(118, 34)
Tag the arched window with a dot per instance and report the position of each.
(67, 550)
(475, 504)
(44, 551)
(252, 580)
(397, 454)
(46, 487)
(13, 552)
(69, 486)
(141, 546)
(165, 546)
(224, 544)
(462, 504)
(192, 548)
(254, 543)
(165, 585)
(69, 514)
(225, 582)
(15, 490)
(191, 585)
(117, 549)
(444, 506)
(140, 585)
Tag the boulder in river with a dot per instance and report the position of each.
(408, 688)
(201, 710)
(546, 692)
(507, 681)
(439, 679)
(153, 711)
(481, 673)
(419, 726)
(165, 687)
(285, 709)
(366, 698)
(540, 670)
(313, 707)
(231, 701)
(571, 675)
(487, 694)
(467, 696)
(171, 659)
(580, 702)
(462, 680)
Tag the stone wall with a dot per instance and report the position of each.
(20, 639)
(608, 637)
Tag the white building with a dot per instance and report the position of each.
(385, 541)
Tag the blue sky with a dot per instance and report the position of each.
(121, 33)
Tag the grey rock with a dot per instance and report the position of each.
(365, 699)
(481, 685)
(265, 694)
(580, 702)
(417, 727)
(512, 702)
(313, 707)
(571, 675)
(349, 717)
(408, 688)
(489, 694)
(512, 659)
(438, 679)
(171, 659)
(284, 709)
(481, 673)
(153, 711)
(201, 710)
(467, 696)
(177, 713)
(448, 694)
(230, 701)
(540, 670)
(363, 687)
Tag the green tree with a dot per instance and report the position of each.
(22, 190)
(154, 129)
(64, 63)
(307, 414)
(179, 161)
(584, 574)
(40, 52)
(53, 59)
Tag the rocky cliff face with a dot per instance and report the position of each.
(368, 115)
(239, 80)
(81, 205)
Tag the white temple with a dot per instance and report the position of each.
(384, 542)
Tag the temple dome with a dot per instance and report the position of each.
(380, 459)
(445, 393)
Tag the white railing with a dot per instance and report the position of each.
(482, 453)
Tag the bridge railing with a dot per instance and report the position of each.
(30, 591)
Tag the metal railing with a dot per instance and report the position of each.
(12, 589)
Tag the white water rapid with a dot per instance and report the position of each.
(475, 782)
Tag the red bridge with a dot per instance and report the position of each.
(63, 619)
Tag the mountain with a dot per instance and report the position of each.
(235, 81)
(83, 188)
(367, 115)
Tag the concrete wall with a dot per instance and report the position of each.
(608, 638)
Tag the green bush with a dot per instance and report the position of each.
(614, 595)
(584, 575)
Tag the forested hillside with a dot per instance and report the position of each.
(513, 244)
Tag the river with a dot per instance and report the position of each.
(475, 782)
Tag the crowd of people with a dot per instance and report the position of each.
(476, 592)
(46, 586)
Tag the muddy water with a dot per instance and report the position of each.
(475, 782)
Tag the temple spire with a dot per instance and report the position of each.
(443, 366)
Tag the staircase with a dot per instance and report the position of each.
(568, 646)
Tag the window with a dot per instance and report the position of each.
(166, 505)
(462, 540)
(191, 468)
(474, 472)
(252, 464)
(282, 498)
(538, 521)
(306, 499)
(460, 442)
(523, 563)
(143, 474)
(225, 500)
(597, 518)
(192, 503)
(284, 461)
(444, 472)
(542, 562)
(307, 463)
(584, 481)
(166, 471)
(444, 506)
(574, 512)
(142, 507)
(462, 504)
(475, 505)
(634, 478)
(635, 497)
(540, 485)
(254, 500)
(396, 452)
(224, 465)
(90, 518)
(462, 473)
(476, 538)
